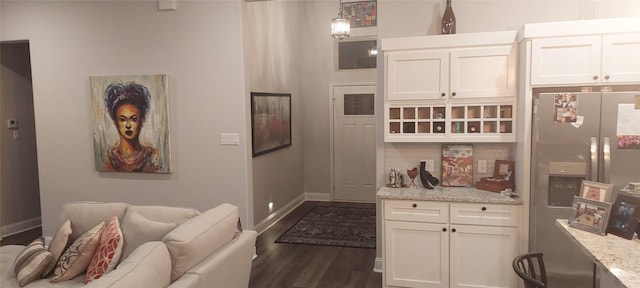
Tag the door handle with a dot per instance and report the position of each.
(594, 159)
(606, 153)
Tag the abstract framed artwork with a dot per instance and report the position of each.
(590, 215)
(270, 122)
(360, 13)
(457, 165)
(131, 123)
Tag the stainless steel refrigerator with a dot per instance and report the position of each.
(577, 136)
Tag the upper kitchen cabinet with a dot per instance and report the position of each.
(450, 88)
(459, 66)
(594, 52)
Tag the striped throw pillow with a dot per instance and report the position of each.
(31, 262)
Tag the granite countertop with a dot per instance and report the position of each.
(448, 194)
(615, 255)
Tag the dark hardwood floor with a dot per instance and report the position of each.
(22, 238)
(292, 265)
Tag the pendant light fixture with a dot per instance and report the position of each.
(340, 27)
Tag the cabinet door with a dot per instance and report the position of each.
(483, 72)
(566, 60)
(481, 256)
(417, 75)
(621, 58)
(416, 254)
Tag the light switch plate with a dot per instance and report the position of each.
(428, 165)
(167, 5)
(482, 166)
(230, 139)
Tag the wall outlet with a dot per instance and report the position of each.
(428, 165)
(482, 166)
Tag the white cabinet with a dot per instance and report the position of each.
(407, 266)
(590, 59)
(441, 244)
(451, 122)
(457, 73)
(484, 241)
(417, 75)
(483, 72)
(427, 79)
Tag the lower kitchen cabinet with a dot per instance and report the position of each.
(441, 244)
(481, 256)
(418, 254)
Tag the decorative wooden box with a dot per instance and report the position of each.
(502, 178)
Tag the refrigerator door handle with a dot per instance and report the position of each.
(606, 153)
(594, 159)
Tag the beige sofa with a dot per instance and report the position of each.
(205, 249)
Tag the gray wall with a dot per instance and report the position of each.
(199, 47)
(272, 66)
(20, 200)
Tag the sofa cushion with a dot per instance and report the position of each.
(200, 236)
(85, 215)
(108, 252)
(147, 266)
(165, 214)
(137, 230)
(32, 262)
(59, 243)
(75, 259)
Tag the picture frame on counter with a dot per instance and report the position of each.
(590, 215)
(596, 191)
(457, 165)
(625, 216)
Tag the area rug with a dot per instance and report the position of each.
(334, 226)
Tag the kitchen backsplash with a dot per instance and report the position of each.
(408, 155)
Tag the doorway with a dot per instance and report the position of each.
(354, 143)
(20, 190)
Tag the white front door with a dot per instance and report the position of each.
(354, 143)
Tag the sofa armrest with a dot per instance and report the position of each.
(229, 267)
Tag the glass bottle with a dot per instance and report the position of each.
(448, 20)
(392, 177)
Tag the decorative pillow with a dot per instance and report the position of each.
(58, 244)
(31, 262)
(76, 258)
(138, 230)
(85, 215)
(108, 252)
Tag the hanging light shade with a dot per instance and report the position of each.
(340, 27)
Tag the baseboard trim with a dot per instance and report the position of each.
(276, 216)
(317, 196)
(377, 266)
(18, 227)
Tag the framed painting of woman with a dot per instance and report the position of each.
(131, 123)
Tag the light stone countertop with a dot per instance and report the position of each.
(446, 194)
(615, 255)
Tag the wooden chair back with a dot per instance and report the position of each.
(530, 267)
